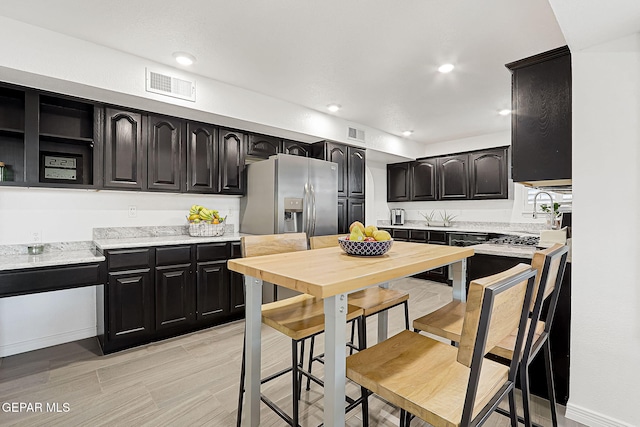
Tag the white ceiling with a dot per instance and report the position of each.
(377, 58)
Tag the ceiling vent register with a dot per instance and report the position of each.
(355, 134)
(171, 86)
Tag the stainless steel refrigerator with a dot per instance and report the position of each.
(290, 194)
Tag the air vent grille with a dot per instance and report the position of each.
(355, 134)
(170, 86)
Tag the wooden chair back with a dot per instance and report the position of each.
(251, 246)
(319, 242)
(538, 263)
(494, 310)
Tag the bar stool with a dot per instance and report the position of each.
(447, 322)
(299, 317)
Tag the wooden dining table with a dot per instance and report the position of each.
(331, 274)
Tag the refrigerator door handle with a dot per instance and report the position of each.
(307, 206)
(313, 212)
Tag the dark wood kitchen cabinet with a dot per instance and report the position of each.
(343, 215)
(453, 177)
(236, 285)
(126, 315)
(489, 174)
(541, 119)
(263, 146)
(124, 150)
(212, 283)
(423, 180)
(337, 153)
(231, 156)
(295, 148)
(356, 170)
(202, 158)
(165, 154)
(350, 209)
(12, 135)
(398, 182)
(174, 290)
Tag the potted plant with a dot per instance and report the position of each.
(554, 217)
(429, 217)
(447, 219)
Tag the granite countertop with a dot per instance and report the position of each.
(15, 257)
(504, 250)
(519, 229)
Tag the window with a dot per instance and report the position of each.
(565, 200)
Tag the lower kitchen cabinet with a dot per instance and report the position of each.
(157, 292)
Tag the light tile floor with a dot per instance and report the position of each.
(188, 380)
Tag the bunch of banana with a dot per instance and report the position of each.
(199, 213)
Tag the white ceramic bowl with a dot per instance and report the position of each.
(365, 248)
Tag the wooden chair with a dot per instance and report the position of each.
(299, 317)
(445, 385)
(447, 322)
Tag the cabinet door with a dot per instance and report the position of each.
(130, 298)
(337, 153)
(263, 146)
(174, 296)
(124, 150)
(212, 294)
(423, 178)
(165, 154)
(236, 284)
(489, 174)
(202, 159)
(355, 211)
(296, 148)
(231, 162)
(343, 225)
(453, 177)
(541, 123)
(398, 181)
(356, 171)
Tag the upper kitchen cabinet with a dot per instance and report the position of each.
(398, 182)
(453, 177)
(295, 148)
(489, 175)
(356, 171)
(541, 119)
(231, 155)
(423, 179)
(12, 135)
(69, 143)
(124, 150)
(351, 166)
(202, 158)
(263, 146)
(165, 154)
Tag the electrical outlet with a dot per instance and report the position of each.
(133, 212)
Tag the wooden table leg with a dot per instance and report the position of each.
(335, 318)
(253, 319)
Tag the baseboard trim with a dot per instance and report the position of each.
(48, 341)
(592, 418)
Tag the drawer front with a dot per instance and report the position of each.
(235, 250)
(418, 236)
(438, 237)
(173, 255)
(13, 283)
(212, 251)
(128, 258)
(400, 235)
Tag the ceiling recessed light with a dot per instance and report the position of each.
(184, 58)
(446, 68)
(407, 132)
(334, 107)
(504, 112)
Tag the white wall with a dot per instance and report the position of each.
(605, 335)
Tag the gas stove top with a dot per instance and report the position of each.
(516, 240)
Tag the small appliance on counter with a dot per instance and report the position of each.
(397, 216)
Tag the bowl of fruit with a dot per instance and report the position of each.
(205, 222)
(365, 241)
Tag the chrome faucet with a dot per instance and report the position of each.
(552, 214)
